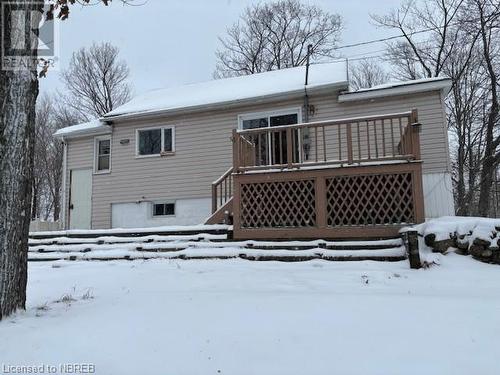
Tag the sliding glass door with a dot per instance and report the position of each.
(278, 149)
(271, 147)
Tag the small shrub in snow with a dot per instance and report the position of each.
(87, 295)
(365, 279)
(66, 298)
(43, 307)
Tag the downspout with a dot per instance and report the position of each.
(305, 137)
(347, 75)
(306, 96)
(62, 204)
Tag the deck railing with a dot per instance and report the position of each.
(222, 190)
(345, 141)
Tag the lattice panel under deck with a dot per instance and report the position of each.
(286, 204)
(370, 200)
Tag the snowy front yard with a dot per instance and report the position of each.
(241, 317)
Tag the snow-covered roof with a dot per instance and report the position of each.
(234, 90)
(91, 127)
(398, 88)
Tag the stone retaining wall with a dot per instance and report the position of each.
(486, 250)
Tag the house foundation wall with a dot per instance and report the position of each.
(438, 195)
(140, 214)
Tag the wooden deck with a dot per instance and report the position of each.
(347, 178)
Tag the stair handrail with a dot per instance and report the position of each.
(224, 184)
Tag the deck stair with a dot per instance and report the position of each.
(207, 242)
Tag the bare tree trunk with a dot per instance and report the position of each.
(462, 206)
(57, 205)
(34, 201)
(489, 161)
(487, 170)
(18, 93)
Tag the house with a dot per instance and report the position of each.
(276, 153)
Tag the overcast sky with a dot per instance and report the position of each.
(172, 42)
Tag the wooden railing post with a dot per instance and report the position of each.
(415, 134)
(214, 198)
(411, 242)
(289, 147)
(349, 144)
(320, 203)
(236, 151)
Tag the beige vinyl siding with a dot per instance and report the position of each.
(433, 138)
(203, 152)
(203, 149)
(80, 153)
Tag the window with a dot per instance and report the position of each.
(253, 121)
(155, 141)
(149, 142)
(272, 150)
(102, 154)
(163, 209)
(168, 140)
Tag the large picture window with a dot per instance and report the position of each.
(155, 141)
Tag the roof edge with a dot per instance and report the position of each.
(224, 104)
(103, 129)
(410, 87)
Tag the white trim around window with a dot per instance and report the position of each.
(271, 113)
(97, 140)
(164, 204)
(163, 152)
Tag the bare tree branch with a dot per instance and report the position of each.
(96, 80)
(274, 36)
(366, 73)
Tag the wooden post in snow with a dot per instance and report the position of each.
(412, 249)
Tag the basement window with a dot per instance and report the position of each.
(163, 209)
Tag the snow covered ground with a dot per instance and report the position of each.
(240, 317)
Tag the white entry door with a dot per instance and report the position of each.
(80, 208)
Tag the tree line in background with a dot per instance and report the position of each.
(95, 82)
(459, 39)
